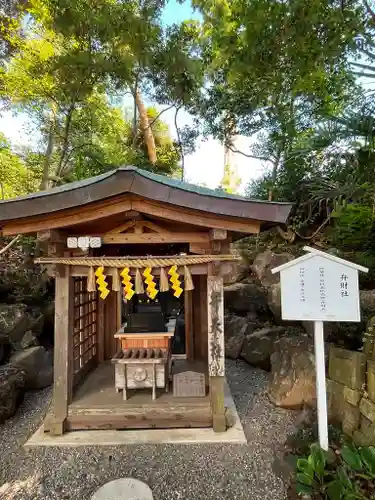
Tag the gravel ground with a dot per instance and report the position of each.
(186, 472)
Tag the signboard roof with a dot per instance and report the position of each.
(319, 287)
(314, 252)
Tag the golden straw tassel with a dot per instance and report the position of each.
(189, 285)
(91, 283)
(139, 288)
(164, 284)
(116, 285)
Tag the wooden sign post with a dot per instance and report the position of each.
(320, 287)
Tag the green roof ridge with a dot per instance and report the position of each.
(193, 188)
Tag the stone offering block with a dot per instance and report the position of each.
(189, 384)
(124, 489)
(347, 367)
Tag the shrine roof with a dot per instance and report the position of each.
(134, 181)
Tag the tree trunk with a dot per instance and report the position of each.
(60, 169)
(275, 166)
(273, 180)
(135, 122)
(145, 127)
(44, 185)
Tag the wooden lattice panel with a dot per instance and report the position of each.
(85, 327)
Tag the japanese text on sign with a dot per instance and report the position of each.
(302, 296)
(322, 290)
(344, 285)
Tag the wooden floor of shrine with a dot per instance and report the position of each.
(96, 405)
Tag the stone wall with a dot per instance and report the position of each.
(351, 393)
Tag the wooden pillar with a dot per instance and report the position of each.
(62, 349)
(100, 323)
(216, 364)
(200, 325)
(188, 306)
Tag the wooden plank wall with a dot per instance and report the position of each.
(200, 324)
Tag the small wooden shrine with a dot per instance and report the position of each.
(139, 261)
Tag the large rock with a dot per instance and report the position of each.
(18, 324)
(235, 329)
(246, 299)
(37, 362)
(274, 299)
(367, 304)
(259, 346)
(14, 320)
(12, 383)
(238, 271)
(292, 383)
(265, 262)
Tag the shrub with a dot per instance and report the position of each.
(353, 228)
(347, 475)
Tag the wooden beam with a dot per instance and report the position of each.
(195, 218)
(126, 203)
(134, 238)
(155, 227)
(133, 214)
(216, 362)
(52, 236)
(68, 217)
(123, 227)
(200, 248)
(141, 417)
(218, 234)
(63, 338)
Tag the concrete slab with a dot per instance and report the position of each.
(125, 488)
(234, 435)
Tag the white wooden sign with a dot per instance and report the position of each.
(320, 287)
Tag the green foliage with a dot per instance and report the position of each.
(347, 475)
(264, 57)
(311, 472)
(15, 178)
(73, 58)
(352, 228)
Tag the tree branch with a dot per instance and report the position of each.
(159, 114)
(369, 54)
(366, 75)
(9, 245)
(364, 66)
(369, 9)
(179, 143)
(235, 150)
(315, 232)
